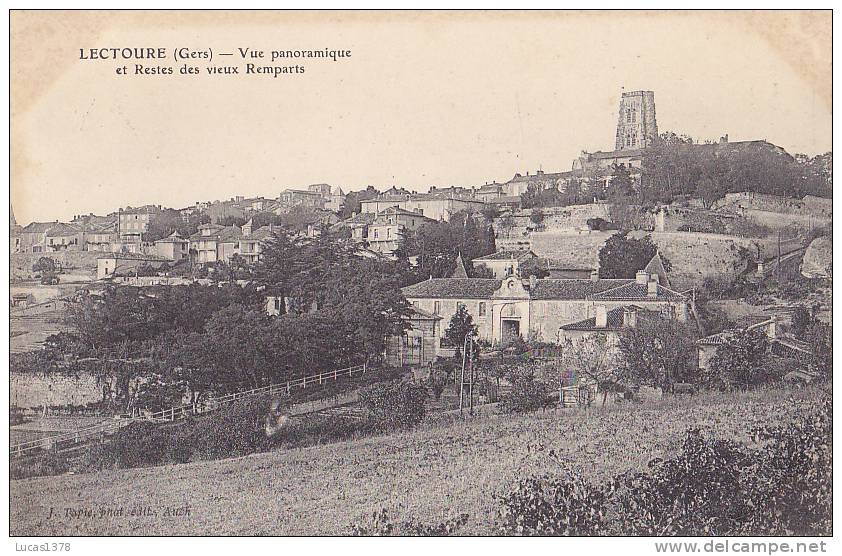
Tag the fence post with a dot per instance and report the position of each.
(304, 384)
(335, 374)
(320, 378)
(365, 364)
(287, 388)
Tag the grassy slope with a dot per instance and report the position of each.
(430, 474)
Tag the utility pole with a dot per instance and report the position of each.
(467, 361)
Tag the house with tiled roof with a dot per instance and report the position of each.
(214, 243)
(33, 237)
(504, 263)
(174, 247)
(780, 343)
(110, 265)
(436, 205)
(252, 241)
(419, 345)
(387, 231)
(503, 308)
(64, 237)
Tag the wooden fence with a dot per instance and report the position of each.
(100, 431)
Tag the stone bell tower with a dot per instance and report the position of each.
(637, 127)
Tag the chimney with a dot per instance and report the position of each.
(601, 316)
(652, 288)
(641, 277)
(533, 281)
(630, 317)
(594, 275)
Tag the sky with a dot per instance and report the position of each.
(425, 99)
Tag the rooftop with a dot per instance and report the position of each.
(633, 291)
(133, 257)
(615, 318)
(507, 255)
(458, 288)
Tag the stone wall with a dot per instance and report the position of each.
(34, 390)
(85, 261)
(556, 219)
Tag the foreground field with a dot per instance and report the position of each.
(429, 475)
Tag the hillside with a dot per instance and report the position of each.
(439, 471)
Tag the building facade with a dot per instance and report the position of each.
(540, 308)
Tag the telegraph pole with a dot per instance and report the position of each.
(467, 360)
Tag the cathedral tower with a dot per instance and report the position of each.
(637, 127)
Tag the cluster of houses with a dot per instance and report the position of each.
(564, 311)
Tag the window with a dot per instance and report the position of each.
(482, 308)
(375, 234)
(436, 307)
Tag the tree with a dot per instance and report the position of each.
(461, 326)
(592, 361)
(45, 265)
(622, 256)
(397, 405)
(532, 267)
(237, 221)
(621, 185)
(490, 212)
(239, 347)
(479, 270)
(741, 362)
(658, 352)
(438, 243)
(537, 217)
(352, 204)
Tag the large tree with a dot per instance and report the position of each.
(741, 362)
(460, 327)
(437, 244)
(622, 256)
(658, 352)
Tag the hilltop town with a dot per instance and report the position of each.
(665, 266)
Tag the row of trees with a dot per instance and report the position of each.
(337, 310)
(678, 166)
(437, 244)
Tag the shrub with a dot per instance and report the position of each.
(437, 382)
(693, 494)
(235, 430)
(527, 393)
(547, 506)
(40, 466)
(399, 404)
(315, 429)
(381, 525)
(712, 487)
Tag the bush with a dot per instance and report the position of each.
(381, 525)
(437, 382)
(547, 506)
(317, 429)
(527, 393)
(712, 487)
(693, 494)
(399, 404)
(234, 430)
(40, 466)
